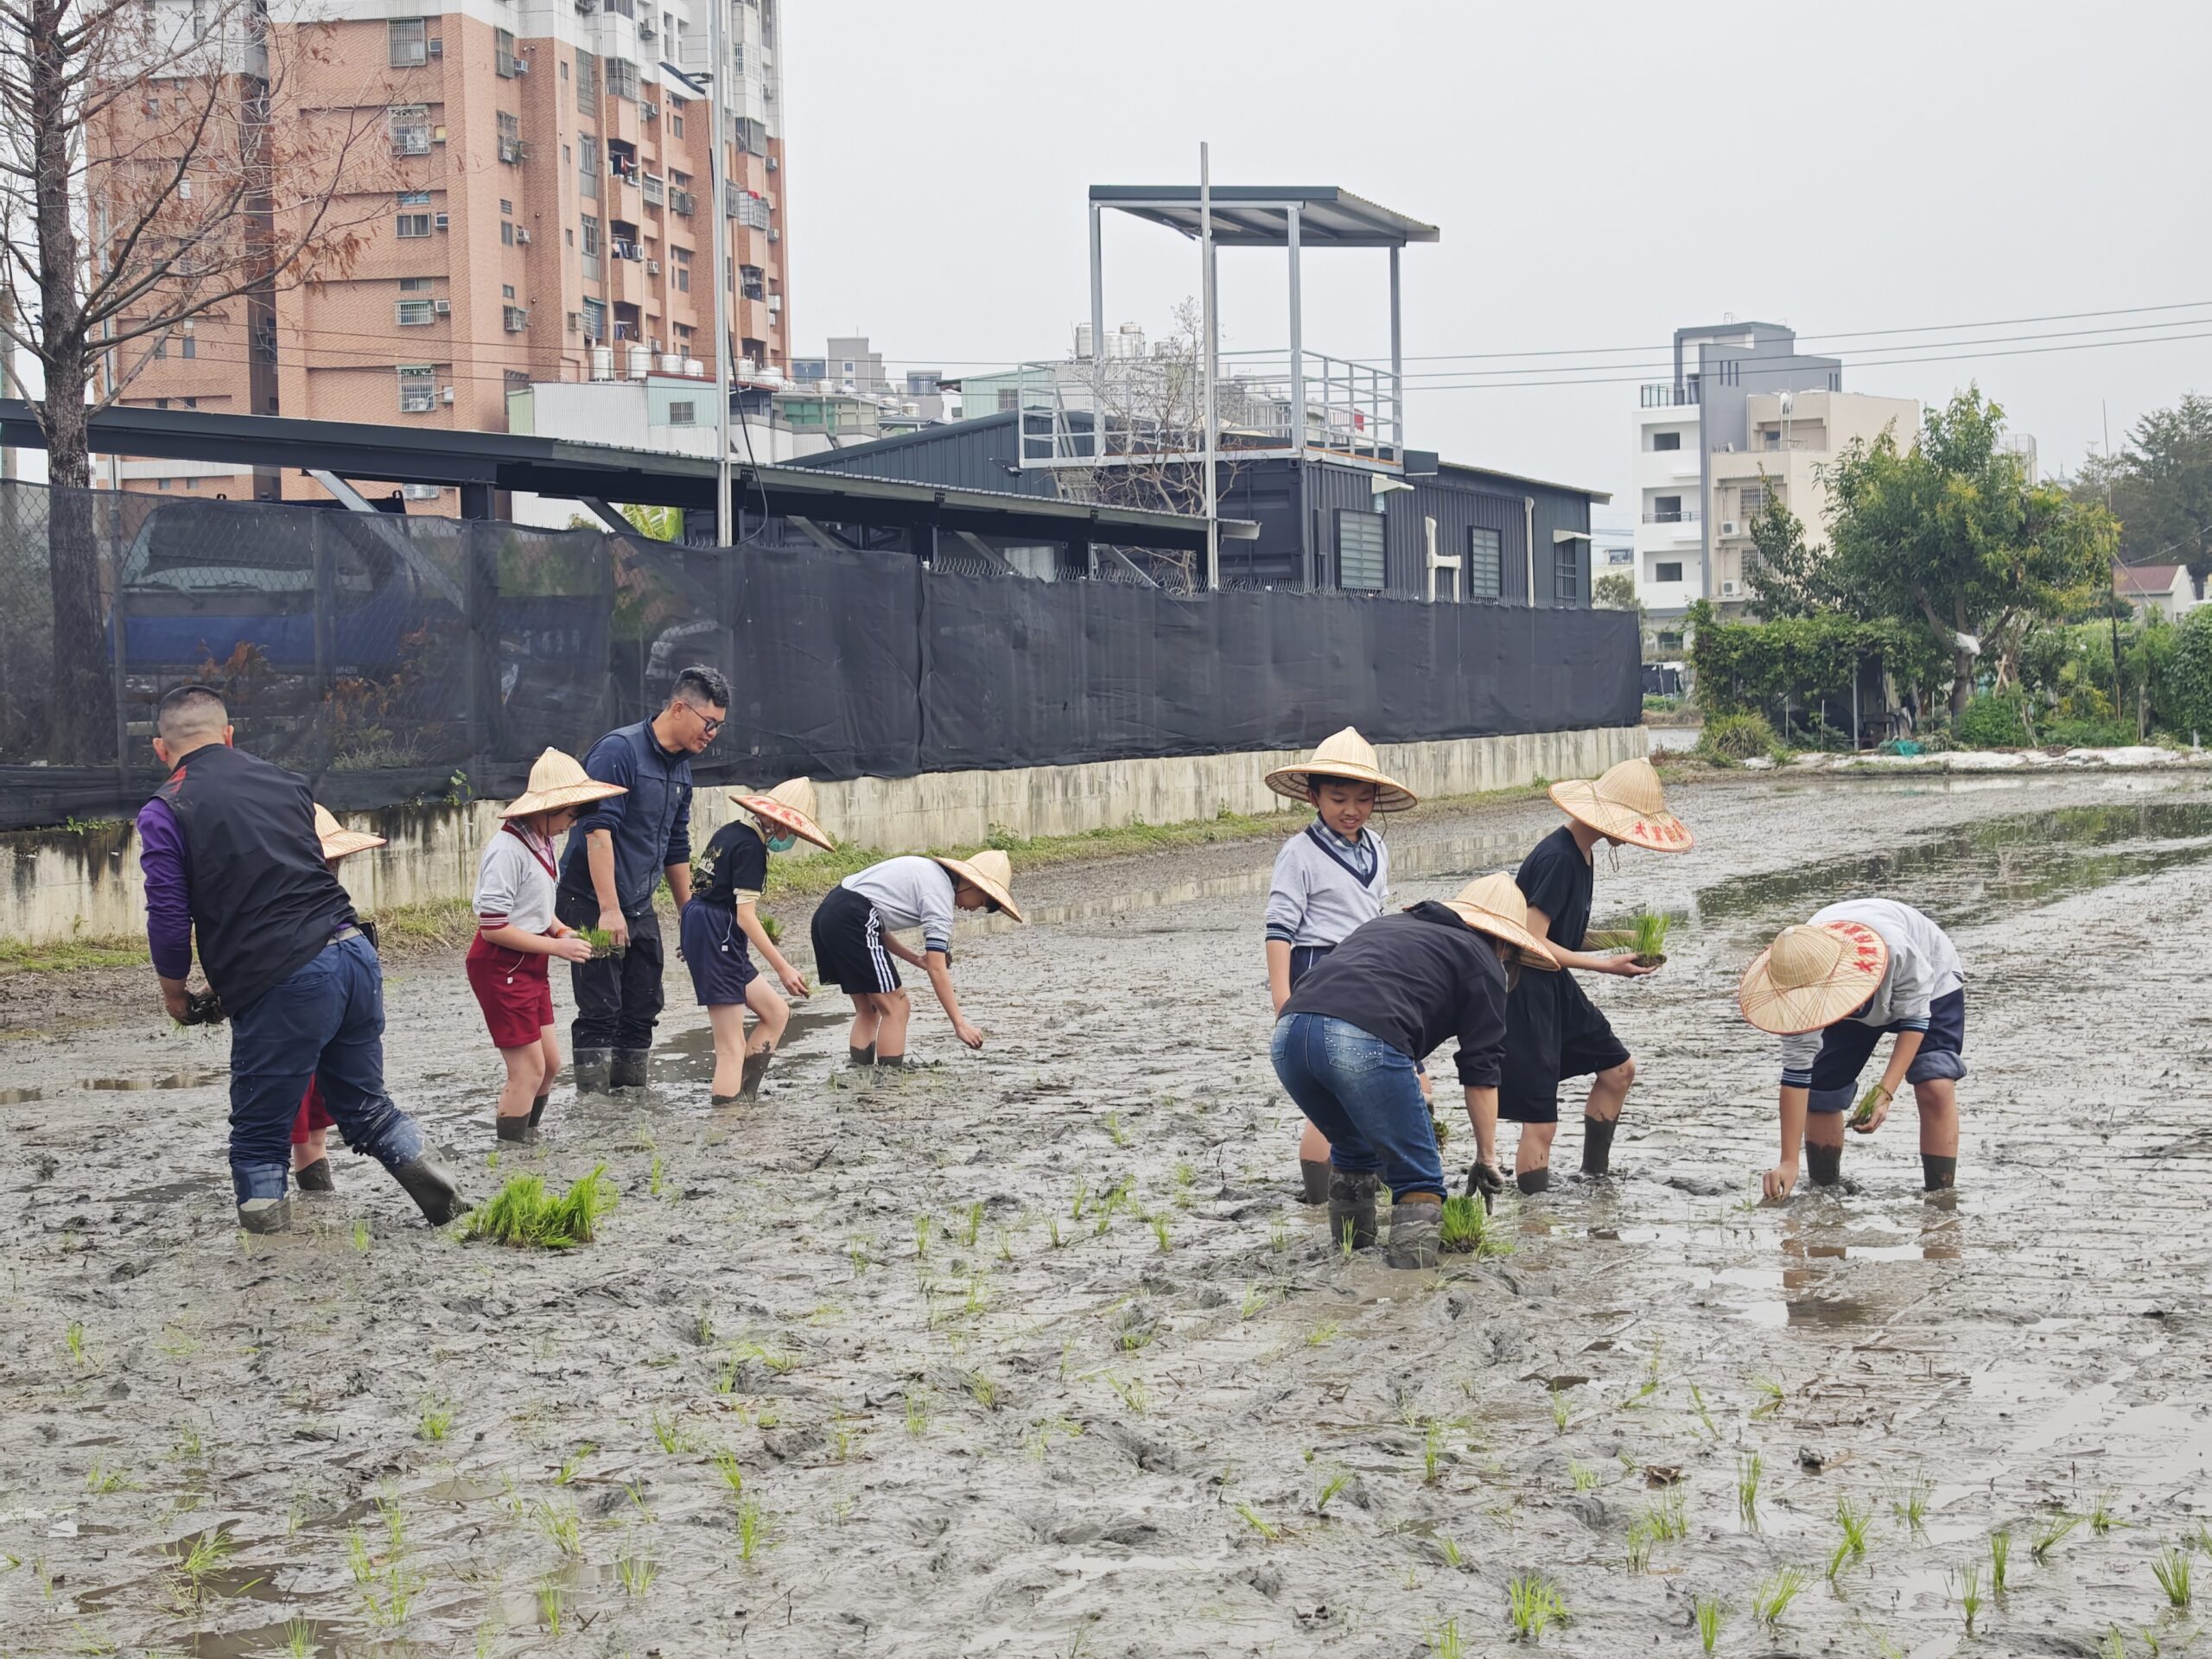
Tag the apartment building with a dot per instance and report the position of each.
(545, 216)
(1745, 419)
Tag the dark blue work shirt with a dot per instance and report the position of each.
(651, 825)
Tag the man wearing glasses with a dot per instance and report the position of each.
(616, 856)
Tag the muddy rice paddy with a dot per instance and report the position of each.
(1035, 1352)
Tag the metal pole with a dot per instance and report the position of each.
(1397, 367)
(1098, 336)
(1297, 343)
(1210, 347)
(718, 181)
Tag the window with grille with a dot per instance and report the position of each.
(409, 41)
(621, 78)
(752, 281)
(682, 414)
(1567, 572)
(1754, 499)
(1485, 563)
(516, 318)
(414, 313)
(411, 224)
(682, 259)
(419, 388)
(587, 83)
(594, 319)
(591, 237)
(411, 129)
(1360, 544)
(507, 232)
(503, 51)
(587, 163)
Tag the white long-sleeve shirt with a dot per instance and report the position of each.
(1923, 965)
(1319, 893)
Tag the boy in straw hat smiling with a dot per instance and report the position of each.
(1555, 1031)
(723, 918)
(516, 937)
(853, 946)
(1333, 876)
(1829, 989)
(1347, 1041)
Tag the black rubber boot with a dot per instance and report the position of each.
(888, 1062)
(426, 1181)
(1824, 1166)
(1533, 1182)
(628, 1070)
(1938, 1174)
(1598, 1145)
(314, 1177)
(1352, 1203)
(1314, 1172)
(266, 1215)
(591, 1071)
(861, 1056)
(1413, 1229)
(537, 1109)
(756, 1067)
(516, 1129)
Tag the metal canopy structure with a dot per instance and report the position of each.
(479, 463)
(1267, 216)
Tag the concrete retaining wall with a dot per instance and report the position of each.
(56, 885)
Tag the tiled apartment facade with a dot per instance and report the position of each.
(549, 217)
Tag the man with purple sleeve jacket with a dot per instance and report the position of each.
(233, 867)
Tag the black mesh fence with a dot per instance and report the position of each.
(394, 658)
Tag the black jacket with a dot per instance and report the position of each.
(262, 901)
(1414, 980)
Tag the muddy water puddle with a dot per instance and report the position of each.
(1033, 1351)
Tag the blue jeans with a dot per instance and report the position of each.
(1365, 1096)
(324, 1021)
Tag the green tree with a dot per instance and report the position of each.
(2160, 486)
(1789, 578)
(1951, 531)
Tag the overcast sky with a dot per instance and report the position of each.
(1602, 175)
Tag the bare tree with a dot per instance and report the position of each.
(166, 169)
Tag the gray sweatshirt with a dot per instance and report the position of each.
(1923, 965)
(1319, 894)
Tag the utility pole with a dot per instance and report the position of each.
(1208, 328)
(718, 181)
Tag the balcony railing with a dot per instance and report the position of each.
(1664, 395)
(1686, 515)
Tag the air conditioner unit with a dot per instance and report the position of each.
(444, 221)
(775, 302)
(437, 49)
(652, 267)
(1731, 527)
(775, 235)
(576, 322)
(771, 163)
(646, 27)
(1729, 590)
(442, 308)
(650, 110)
(522, 65)
(445, 396)
(522, 237)
(184, 327)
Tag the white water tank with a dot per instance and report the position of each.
(602, 362)
(693, 366)
(671, 363)
(640, 361)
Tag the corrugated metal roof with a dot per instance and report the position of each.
(1254, 215)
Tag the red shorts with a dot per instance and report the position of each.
(312, 1115)
(512, 989)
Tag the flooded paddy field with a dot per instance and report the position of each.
(1035, 1351)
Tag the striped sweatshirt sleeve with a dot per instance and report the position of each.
(1286, 894)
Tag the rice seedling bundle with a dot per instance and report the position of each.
(1647, 937)
(524, 1213)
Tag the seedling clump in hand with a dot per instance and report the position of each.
(1647, 937)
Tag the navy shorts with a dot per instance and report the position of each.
(715, 950)
(1846, 1046)
(1552, 1030)
(1302, 957)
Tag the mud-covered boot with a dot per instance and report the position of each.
(1351, 1204)
(756, 1067)
(538, 1109)
(861, 1056)
(266, 1215)
(1314, 1172)
(426, 1181)
(591, 1071)
(628, 1070)
(516, 1129)
(1415, 1222)
(314, 1177)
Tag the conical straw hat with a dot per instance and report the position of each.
(558, 780)
(992, 872)
(1812, 976)
(1494, 904)
(1629, 804)
(792, 804)
(1347, 756)
(338, 842)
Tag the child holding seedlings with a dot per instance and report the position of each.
(516, 937)
(1555, 1031)
(1829, 989)
(1349, 1036)
(1333, 876)
(853, 946)
(311, 1125)
(723, 918)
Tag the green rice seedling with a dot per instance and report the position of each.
(1324, 1334)
(2101, 1518)
(752, 1529)
(73, 1340)
(668, 1433)
(636, 1491)
(357, 1556)
(733, 1474)
(637, 1573)
(1159, 1234)
(361, 1236)
(1446, 1642)
(1749, 1466)
(1453, 1557)
(702, 1329)
(971, 1225)
(552, 1602)
(657, 1176)
(190, 1569)
(401, 1585)
(1006, 1245)
(1345, 1242)
(983, 1390)
(857, 1250)
(1186, 1176)
(1432, 1452)
(1082, 1198)
(1853, 1519)
(101, 1479)
(1639, 1547)
(1771, 1602)
(2051, 1533)
(1969, 1578)
(1135, 1338)
(1647, 933)
(572, 1463)
(1116, 1129)
(562, 1527)
(1254, 1299)
(1770, 1397)
(299, 1637)
(524, 1214)
(1053, 1227)
(1561, 1409)
(1670, 1520)
(434, 1419)
(2114, 1646)
(1910, 1505)
(188, 1445)
(2171, 1571)
(1325, 1489)
(1464, 1227)
(1697, 1402)
(1534, 1605)
(491, 1159)
(1133, 1393)
(1585, 1477)
(918, 1412)
(1259, 1523)
(1278, 1233)
(1711, 1611)
(923, 1226)
(2000, 1557)
(395, 1521)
